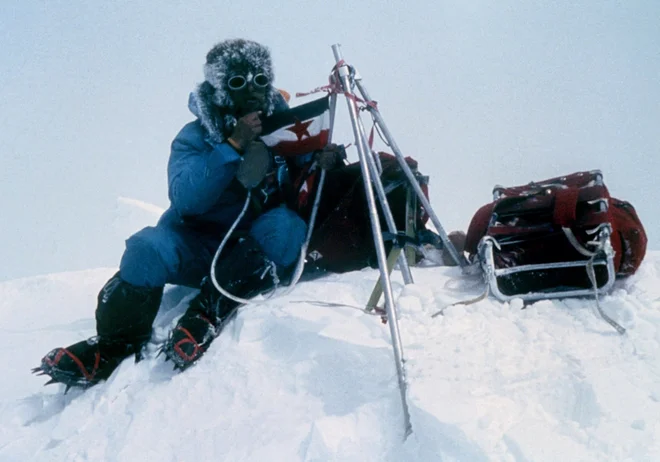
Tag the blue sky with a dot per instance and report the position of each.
(479, 92)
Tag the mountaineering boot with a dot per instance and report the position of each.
(124, 316)
(81, 364)
(245, 272)
(199, 325)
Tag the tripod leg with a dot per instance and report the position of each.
(344, 74)
(408, 252)
(459, 259)
(378, 288)
(411, 223)
(382, 198)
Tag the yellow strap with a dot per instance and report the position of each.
(285, 94)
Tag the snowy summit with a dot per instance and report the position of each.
(290, 380)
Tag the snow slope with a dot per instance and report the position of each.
(298, 382)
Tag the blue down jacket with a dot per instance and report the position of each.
(205, 200)
(201, 171)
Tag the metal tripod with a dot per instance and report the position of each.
(348, 78)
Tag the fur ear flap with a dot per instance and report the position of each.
(218, 121)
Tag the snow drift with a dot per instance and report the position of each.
(289, 380)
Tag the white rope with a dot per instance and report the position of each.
(592, 278)
(591, 271)
(576, 244)
(323, 304)
(219, 251)
(300, 266)
(471, 301)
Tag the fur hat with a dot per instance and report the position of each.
(214, 105)
(235, 57)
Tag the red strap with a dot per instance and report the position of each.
(189, 339)
(334, 87)
(327, 88)
(565, 211)
(63, 351)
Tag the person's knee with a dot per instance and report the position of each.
(149, 258)
(280, 233)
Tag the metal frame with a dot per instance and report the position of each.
(602, 256)
(493, 275)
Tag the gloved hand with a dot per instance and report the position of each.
(246, 130)
(254, 165)
(330, 156)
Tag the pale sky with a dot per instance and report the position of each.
(480, 93)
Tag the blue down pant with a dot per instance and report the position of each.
(173, 253)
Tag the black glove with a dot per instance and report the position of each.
(331, 156)
(246, 130)
(254, 166)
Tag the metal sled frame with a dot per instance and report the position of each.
(603, 256)
(493, 275)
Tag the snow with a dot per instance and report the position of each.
(300, 382)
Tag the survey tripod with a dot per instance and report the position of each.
(346, 80)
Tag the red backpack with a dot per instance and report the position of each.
(342, 240)
(537, 239)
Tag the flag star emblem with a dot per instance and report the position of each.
(300, 129)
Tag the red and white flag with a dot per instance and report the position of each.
(299, 130)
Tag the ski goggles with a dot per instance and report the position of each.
(238, 82)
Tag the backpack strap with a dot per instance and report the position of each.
(565, 209)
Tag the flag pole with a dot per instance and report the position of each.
(300, 266)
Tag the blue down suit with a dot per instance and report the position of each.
(205, 200)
